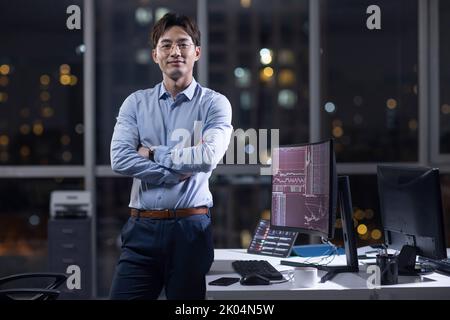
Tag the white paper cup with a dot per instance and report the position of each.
(305, 277)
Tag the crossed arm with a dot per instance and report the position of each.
(125, 158)
(204, 156)
(170, 165)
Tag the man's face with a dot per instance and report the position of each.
(176, 53)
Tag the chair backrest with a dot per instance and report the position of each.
(48, 293)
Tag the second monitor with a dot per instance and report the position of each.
(304, 189)
(304, 198)
(411, 213)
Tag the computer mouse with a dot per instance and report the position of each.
(254, 279)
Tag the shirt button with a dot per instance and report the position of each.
(159, 198)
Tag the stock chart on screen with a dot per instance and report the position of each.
(301, 187)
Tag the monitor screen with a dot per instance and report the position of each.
(304, 188)
(411, 209)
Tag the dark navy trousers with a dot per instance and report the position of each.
(174, 254)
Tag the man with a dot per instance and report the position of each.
(169, 139)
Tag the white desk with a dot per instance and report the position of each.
(343, 286)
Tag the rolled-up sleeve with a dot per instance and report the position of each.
(205, 156)
(124, 156)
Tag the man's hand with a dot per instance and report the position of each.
(185, 176)
(143, 151)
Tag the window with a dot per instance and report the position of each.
(366, 209)
(265, 75)
(445, 190)
(123, 57)
(24, 214)
(240, 201)
(444, 79)
(113, 196)
(259, 61)
(369, 84)
(41, 85)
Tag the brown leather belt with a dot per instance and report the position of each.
(168, 213)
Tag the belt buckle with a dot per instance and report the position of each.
(171, 213)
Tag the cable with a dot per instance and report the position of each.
(290, 276)
(280, 281)
(331, 254)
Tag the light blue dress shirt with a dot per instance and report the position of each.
(190, 135)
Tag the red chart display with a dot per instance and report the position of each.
(301, 187)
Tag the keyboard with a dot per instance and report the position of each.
(261, 267)
(442, 265)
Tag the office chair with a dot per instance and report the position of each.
(48, 293)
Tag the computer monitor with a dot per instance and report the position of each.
(411, 211)
(304, 188)
(305, 192)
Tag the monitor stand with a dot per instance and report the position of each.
(345, 205)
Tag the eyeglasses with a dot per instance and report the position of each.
(167, 47)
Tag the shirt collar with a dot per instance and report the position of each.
(188, 92)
